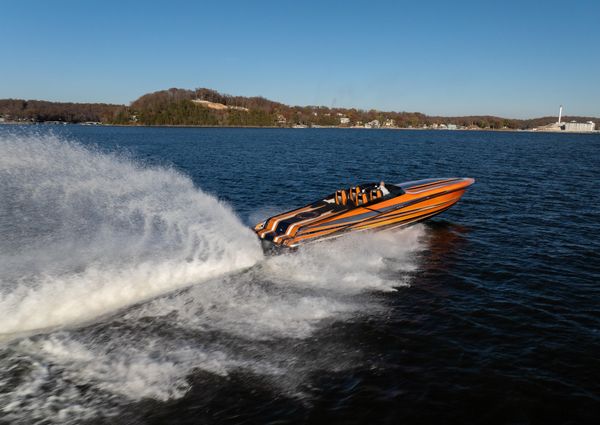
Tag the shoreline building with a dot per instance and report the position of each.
(581, 127)
(573, 126)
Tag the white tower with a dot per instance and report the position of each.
(559, 113)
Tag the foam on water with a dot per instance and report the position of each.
(353, 263)
(223, 325)
(287, 296)
(88, 233)
(85, 233)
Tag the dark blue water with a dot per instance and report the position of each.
(495, 318)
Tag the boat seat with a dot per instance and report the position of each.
(341, 198)
(357, 196)
(375, 194)
(363, 198)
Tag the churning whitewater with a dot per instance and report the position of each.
(85, 233)
(122, 283)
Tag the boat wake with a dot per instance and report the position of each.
(85, 233)
(152, 281)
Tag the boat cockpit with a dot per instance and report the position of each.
(364, 194)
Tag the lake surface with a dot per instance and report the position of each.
(132, 291)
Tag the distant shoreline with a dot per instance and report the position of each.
(207, 108)
(494, 130)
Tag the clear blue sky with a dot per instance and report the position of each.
(508, 58)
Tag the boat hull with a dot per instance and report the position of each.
(408, 203)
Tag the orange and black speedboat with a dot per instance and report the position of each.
(363, 207)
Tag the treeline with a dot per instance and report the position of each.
(42, 111)
(178, 107)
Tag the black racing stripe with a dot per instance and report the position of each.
(416, 220)
(413, 211)
(285, 224)
(269, 236)
(270, 220)
(424, 198)
(341, 226)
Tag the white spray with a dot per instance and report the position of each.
(84, 233)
